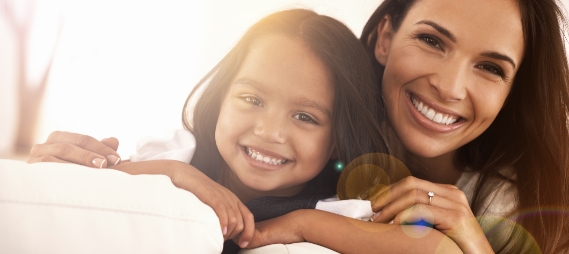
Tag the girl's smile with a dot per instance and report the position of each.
(264, 159)
(274, 128)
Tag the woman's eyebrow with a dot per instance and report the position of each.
(451, 37)
(499, 56)
(439, 28)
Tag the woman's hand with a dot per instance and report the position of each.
(236, 220)
(408, 202)
(76, 148)
(347, 235)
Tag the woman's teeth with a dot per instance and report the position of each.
(431, 114)
(264, 158)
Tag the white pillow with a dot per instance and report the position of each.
(293, 248)
(66, 208)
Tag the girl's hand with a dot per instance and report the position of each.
(408, 202)
(76, 148)
(283, 229)
(236, 220)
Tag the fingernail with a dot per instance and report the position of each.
(243, 244)
(391, 222)
(375, 215)
(224, 231)
(113, 159)
(98, 162)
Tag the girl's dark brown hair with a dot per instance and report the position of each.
(356, 125)
(531, 132)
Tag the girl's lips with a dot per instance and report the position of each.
(266, 152)
(261, 164)
(427, 123)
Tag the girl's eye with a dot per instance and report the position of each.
(492, 69)
(431, 40)
(305, 118)
(253, 101)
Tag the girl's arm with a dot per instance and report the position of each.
(67, 147)
(347, 235)
(235, 218)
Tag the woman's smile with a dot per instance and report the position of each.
(433, 117)
(444, 79)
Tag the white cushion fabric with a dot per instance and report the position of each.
(66, 208)
(293, 248)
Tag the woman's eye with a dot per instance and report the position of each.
(432, 41)
(253, 101)
(305, 118)
(492, 69)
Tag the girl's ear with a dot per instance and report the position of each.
(384, 36)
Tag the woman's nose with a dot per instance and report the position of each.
(271, 128)
(451, 81)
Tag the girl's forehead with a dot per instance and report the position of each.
(287, 66)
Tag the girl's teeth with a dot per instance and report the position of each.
(266, 159)
(431, 114)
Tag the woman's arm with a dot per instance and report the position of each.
(347, 235)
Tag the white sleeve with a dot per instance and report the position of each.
(353, 208)
(177, 145)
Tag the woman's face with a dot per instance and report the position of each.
(448, 70)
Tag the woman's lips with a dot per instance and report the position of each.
(433, 117)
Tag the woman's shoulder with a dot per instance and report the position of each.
(498, 197)
(498, 194)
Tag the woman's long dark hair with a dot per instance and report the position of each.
(531, 132)
(356, 125)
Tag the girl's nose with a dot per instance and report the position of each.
(272, 129)
(451, 81)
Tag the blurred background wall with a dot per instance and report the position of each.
(120, 68)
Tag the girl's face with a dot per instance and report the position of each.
(448, 70)
(275, 125)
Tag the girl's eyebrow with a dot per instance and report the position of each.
(312, 104)
(301, 101)
(451, 37)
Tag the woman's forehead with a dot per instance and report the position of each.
(494, 25)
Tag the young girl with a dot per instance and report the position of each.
(297, 90)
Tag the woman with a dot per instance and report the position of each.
(476, 92)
